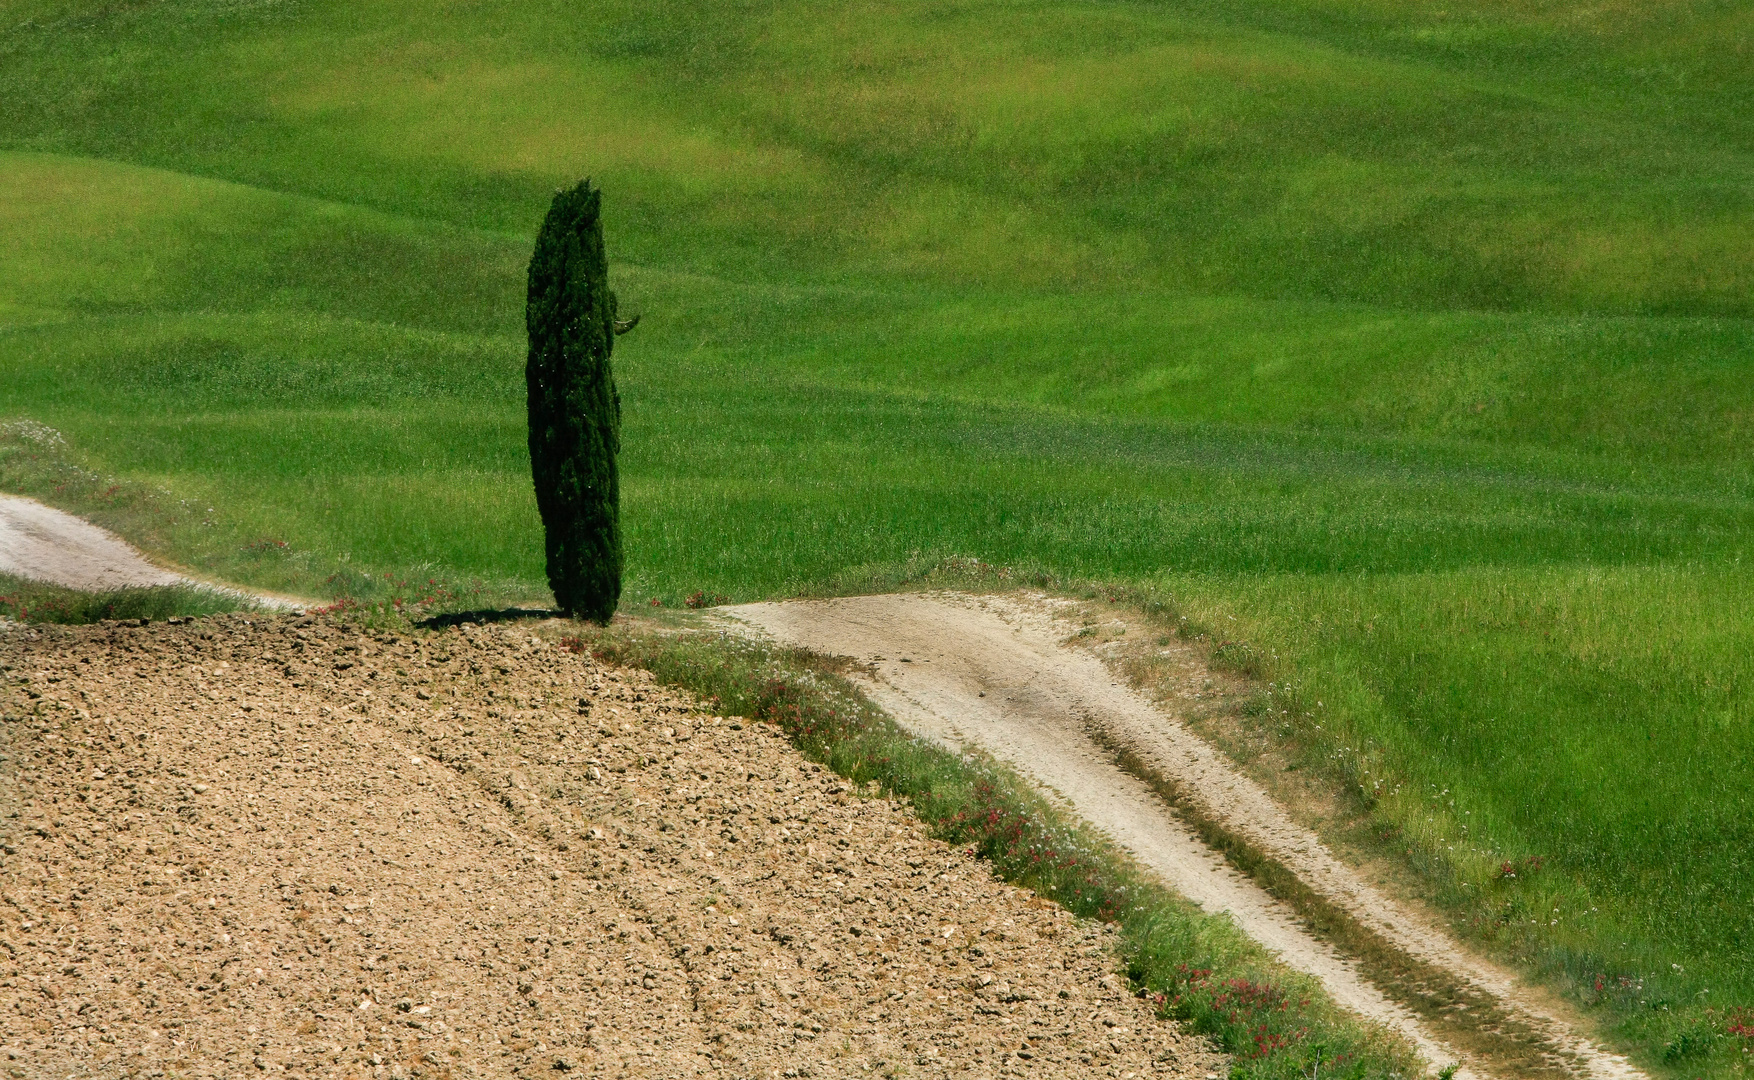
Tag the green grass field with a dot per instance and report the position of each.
(1410, 342)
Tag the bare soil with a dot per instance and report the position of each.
(1004, 673)
(273, 844)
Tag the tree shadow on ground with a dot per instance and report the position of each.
(488, 615)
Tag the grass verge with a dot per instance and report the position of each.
(1315, 712)
(30, 601)
(1198, 967)
(36, 461)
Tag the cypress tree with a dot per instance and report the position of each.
(575, 412)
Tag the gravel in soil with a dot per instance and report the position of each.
(273, 844)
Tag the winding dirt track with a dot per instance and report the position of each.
(40, 542)
(994, 672)
(51, 545)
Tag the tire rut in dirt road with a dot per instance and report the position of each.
(993, 672)
(259, 843)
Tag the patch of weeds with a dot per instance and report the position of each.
(1240, 658)
(1695, 1040)
(1258, 704)
(36, 602)
(1739, 1023)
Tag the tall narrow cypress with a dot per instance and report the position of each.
(575, 412)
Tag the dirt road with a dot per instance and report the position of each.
(51, 545)
(38, 541)
(264, 844)
(996, 672)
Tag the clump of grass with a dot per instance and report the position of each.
(1194, 966)
(30, 601)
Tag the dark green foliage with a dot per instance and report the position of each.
(575, 413)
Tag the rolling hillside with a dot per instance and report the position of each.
(1410, 343)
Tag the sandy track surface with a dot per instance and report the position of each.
(996, 672)
(259, 843)
(38, 541)
(51, 545)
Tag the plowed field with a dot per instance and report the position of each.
(274, 844)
